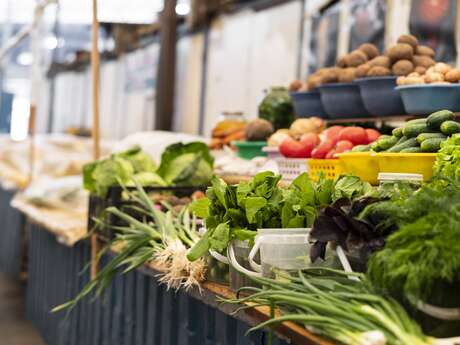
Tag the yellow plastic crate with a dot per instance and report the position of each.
(332, 168)
(407, 163)
(362, 164)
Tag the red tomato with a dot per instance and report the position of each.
(292, 148)
(344, 145)
(332, 133)
(330, 154)
(356, 135)
(372, 135)
(322, 149)
(341, 150)
(310, 138)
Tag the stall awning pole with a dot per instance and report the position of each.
(95, 132)
(35, 85)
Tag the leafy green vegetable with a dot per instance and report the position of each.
(448, 158)
(351, 187)
(120, 168)
(425, 249)
(186, 164)
(261, 203)
(181, 165)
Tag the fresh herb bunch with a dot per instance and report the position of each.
(340, 224)
(236, 212)
(425, 250)
(163, 237)
(337, 305)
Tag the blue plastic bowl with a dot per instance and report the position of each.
(380, 97)
(426, 99)
(308, 103)
(342, 100)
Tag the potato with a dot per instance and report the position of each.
(420, 70)
(402, 67)
(369, 49)
(314, 81)
(442, 67)
(347, 75)
(382, 60)
(423, 61)
(425, 51)
(401, 80)
(433, 77)
(400, 51)
(453, 75)
(414, 80)
(361, 71)
(378, 71)
(330, 75)
(295, 85)
(409, 39)
(342, 61)
(355, 58)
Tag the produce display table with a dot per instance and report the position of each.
(11, 235)
(136, 309)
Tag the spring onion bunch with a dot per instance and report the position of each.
(162, 237)
(336, 305)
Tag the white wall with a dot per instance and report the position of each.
(249, 52)
(189, 69)
(126, 104)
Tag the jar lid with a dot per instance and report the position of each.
(400, 177)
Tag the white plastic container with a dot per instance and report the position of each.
(284, 249)
(415, 179)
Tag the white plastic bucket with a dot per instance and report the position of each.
(285, 249)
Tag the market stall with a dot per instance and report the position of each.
(332, 218)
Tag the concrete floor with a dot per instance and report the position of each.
(14, 328)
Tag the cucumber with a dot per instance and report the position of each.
(411, 142)
(401, 140)
(422, 137)
(415, 122)
(386, 143)
(361, 148)
(414, 149)
(397, 132)
(431, 145)
(435, 120)
(450, 127)
(375, 147)
(411, 131)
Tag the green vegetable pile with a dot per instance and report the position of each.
(420, 135)
(163, 237)
(338, 306)
(181, 165)
(426, 248)
(448, 159)
(236, 212)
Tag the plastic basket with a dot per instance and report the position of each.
(290, 168)
(408, 163)
(331, 168)
(362, 164)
